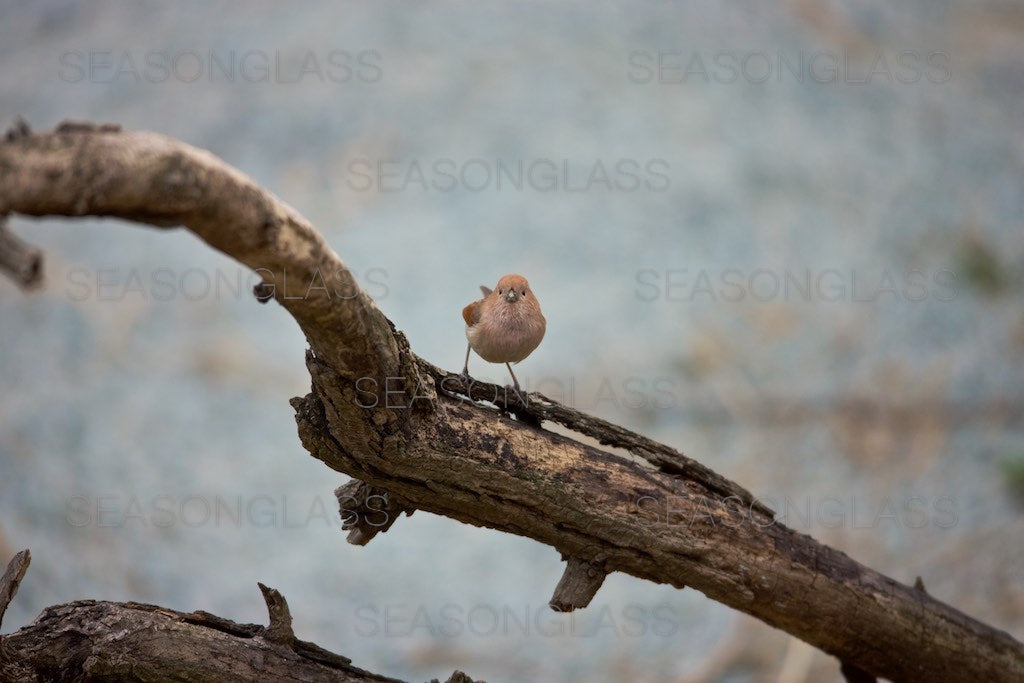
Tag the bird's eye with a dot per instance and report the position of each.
(501, 291)
(524, 292)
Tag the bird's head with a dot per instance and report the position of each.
(513, 288)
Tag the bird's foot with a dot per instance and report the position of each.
(467, 381)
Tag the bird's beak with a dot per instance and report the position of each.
(511, 296)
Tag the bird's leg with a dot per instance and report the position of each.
(465, 370)
(516, 383)
(514, 380)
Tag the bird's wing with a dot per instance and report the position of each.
(471, 313)
(485, 290)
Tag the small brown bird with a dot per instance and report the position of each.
(505, 326)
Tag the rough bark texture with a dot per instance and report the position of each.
(413, 435)
(90, 640)
(109, 641)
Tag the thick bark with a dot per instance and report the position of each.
(412, 435)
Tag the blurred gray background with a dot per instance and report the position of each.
(785, 239)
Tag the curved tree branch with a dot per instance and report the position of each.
(418, 439)
(84, 170)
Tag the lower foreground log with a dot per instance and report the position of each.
(91, 640)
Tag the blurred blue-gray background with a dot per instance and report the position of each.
(785, 239)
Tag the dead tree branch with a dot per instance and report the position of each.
(11, 580)
(412, 433)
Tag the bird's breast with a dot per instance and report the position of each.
(506, 338)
